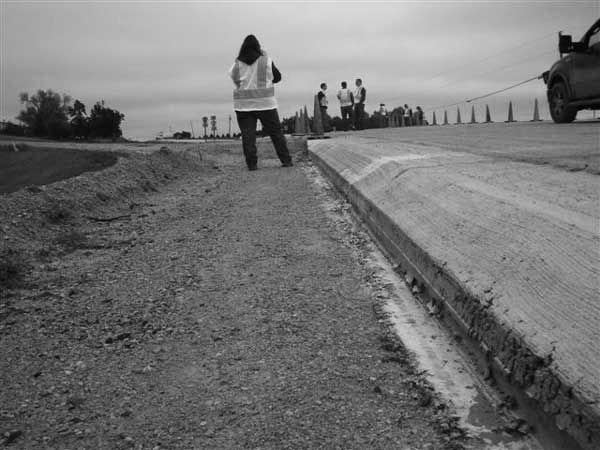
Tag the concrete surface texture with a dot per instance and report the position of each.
(509, 213)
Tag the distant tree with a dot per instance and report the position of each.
(105, 122)
(46, 113)
(337, 123)
(80, 123)
(12, 129)
(377, 120)
(288, 124)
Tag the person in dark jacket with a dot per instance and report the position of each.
(323, 104)
(254, 74)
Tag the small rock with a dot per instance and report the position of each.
(12, 436)
(119, 337)
(75, 402)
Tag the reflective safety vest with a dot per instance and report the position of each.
(254, 89)
(345, 97)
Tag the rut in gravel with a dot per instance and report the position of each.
(229, 312)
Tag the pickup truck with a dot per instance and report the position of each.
(573, 82)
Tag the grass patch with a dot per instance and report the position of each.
(40, 166)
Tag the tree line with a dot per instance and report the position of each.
(51, 115)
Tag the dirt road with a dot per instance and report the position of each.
(225, 311)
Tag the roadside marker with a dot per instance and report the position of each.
(445, 117)
(536, 112)
(458, 121)
(488, 117)
(473, 114)
(510, 113)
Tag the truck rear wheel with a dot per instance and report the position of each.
(558, 99)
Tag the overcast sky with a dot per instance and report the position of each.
(163, 64)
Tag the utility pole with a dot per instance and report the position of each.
(205, 125)
(213, 123)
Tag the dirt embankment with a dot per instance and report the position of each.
(40, 220)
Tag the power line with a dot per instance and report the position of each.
(537, 77)
(496, 70)
(487, 58)
(501, 52)
(512, 86)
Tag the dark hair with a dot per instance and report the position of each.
(250, 43)
(344, 84)
(323, 85)
(359, 80)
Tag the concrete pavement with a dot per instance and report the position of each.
(500, 225)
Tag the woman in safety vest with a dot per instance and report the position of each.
(254, 75)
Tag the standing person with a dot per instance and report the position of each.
(419, 113)
(360, 95)
(254, 75)
(323, 103)
(407, 115)
(346, 103)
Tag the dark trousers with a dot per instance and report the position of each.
(346, 116)
(271, 125)
(359, 109)
(325, 119)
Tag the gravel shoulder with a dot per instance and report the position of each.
(226, 309)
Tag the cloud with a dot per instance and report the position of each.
(165, 63)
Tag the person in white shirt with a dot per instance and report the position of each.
(360, 95)
(254, 75)
(346, 103)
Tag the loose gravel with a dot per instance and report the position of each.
(225, 309)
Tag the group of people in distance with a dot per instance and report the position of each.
(254, 76)
(352, 105)
(409, 116)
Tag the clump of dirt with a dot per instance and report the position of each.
(12, 268)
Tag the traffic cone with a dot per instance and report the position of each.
(297, 124)
(510, 113)
(445, 118)
(317, 119)
(302, 123)
(536, 112)
(473, 114)
(306, 121)
(488, 117)
(434, 121)
(458, 121)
